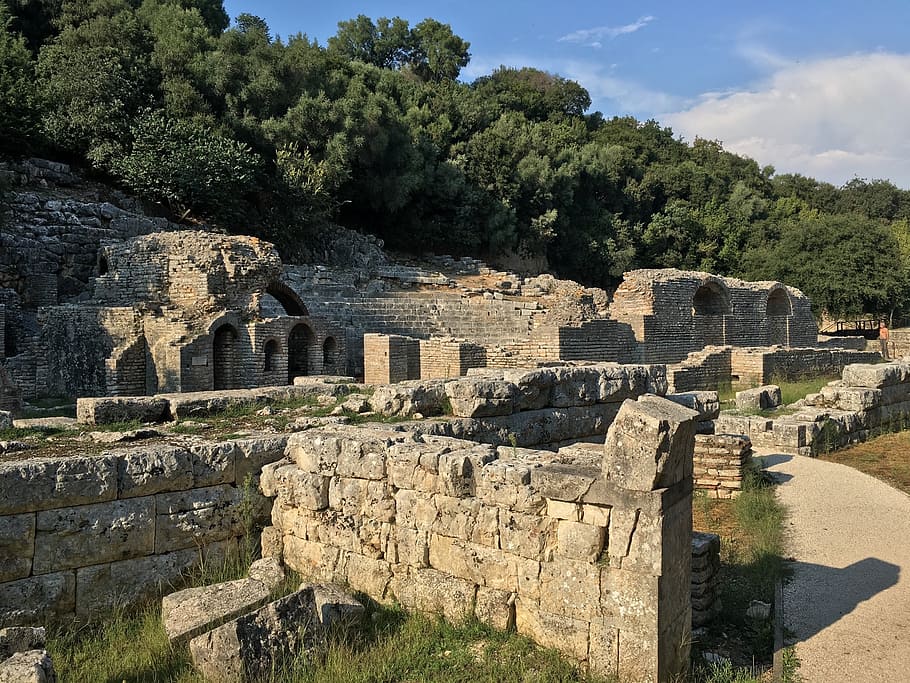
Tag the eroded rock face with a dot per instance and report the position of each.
(22, 656)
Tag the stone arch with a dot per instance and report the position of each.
(779, 303)
(329, 353)
(271, 349)
(288, 298)
(779, 310)
(300, 342)
(710, 304)
(224, 357)
(711, 299)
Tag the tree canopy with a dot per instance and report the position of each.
(227, 122)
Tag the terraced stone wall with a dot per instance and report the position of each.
(83, 533)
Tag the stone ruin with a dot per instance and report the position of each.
(496, 508)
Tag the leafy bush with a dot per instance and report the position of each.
(188, 165)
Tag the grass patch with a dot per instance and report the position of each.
(19, 433)
(752, 544)
(884, 457)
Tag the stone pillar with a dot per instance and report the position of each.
(389, 358)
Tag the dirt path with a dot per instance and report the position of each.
(848, 602)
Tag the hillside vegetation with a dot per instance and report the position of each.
(231, 124)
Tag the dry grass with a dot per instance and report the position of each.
(884, 457)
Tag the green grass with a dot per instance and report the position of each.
(790, 390)
(751, 527)
(18, 433)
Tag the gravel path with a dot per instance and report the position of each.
(848, 601)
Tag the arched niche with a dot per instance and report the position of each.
(287, 299)
(224, 357)
(300, 343)
(271, 350)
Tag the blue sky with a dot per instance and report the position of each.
(816, 87)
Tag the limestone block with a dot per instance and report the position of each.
(528, 535)
(578, 541)
(37, 599)
(296, 488)
(759, 398)
(101, 588)
(649, 445)
(105, 410)
(705, 403)
(456, 473)
(334, 607)
(271, 541)
(406, 398)
(495, 608)
(213, 463)
(414, 510)
(311, 559)
(6, 420)
(360, 497)
(532, 387)
(368, 575)
(603, 647)
(631, 598)
(362, 456)
(268, 571)
(17, 546)
(20, 639)
(481, 397)
(570, 588)
(475, 563)
(315, 451)
(33, 666)
(153, 469)
(187, 519)
(93, 534)
(623, 521)
(705, 544)
(433, 591)
(256, 452)
(575, 387)
(44, 483)
(187, 613)
(568, 635)
(251, 646)
(876, 376)
(596, 514)
(558, 509)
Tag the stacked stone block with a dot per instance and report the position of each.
(705, 565)
(594, 561)
(719, 462)
(389, 358)
(82, 534)
(443, 357)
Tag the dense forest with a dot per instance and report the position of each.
(227, 123)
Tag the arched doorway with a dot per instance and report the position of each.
(299, 342)
(329, 355)
(271, 350)
(779, 309)
(709, 306)
(224, 356)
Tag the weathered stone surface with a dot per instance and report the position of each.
(45, 483)
(21, 639)
(495, 608)
(37, 599)
(334, 607)
(578, 541)
(481, 397)
(256, 452)
(105, 410)
(6, 419)
(272, 542)
(705, 403)
(649, 445)
(759, 398)
(190, 612)
(92, 534)
(876, 376)
(103, 587)
(17, 546)
(214, 463)
(705, 543)
(268, 570)
(153, 469)
(430, 590)
(568, 635)
(406, 398)
(34, 666)
(187, 519)
(247, 648)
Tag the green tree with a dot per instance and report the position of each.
(18, 110)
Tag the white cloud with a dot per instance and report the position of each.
(832, 119)
(592, 37)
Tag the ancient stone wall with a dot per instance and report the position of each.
(442, 357)
(594, 561)
(704, 370)
(756, 366)
(719, 463)
(390, 358)
(82, 534)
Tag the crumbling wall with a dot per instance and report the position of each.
(82, 534)
(719, 463)
(704, 370)
(592, 561)
(757, 366)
